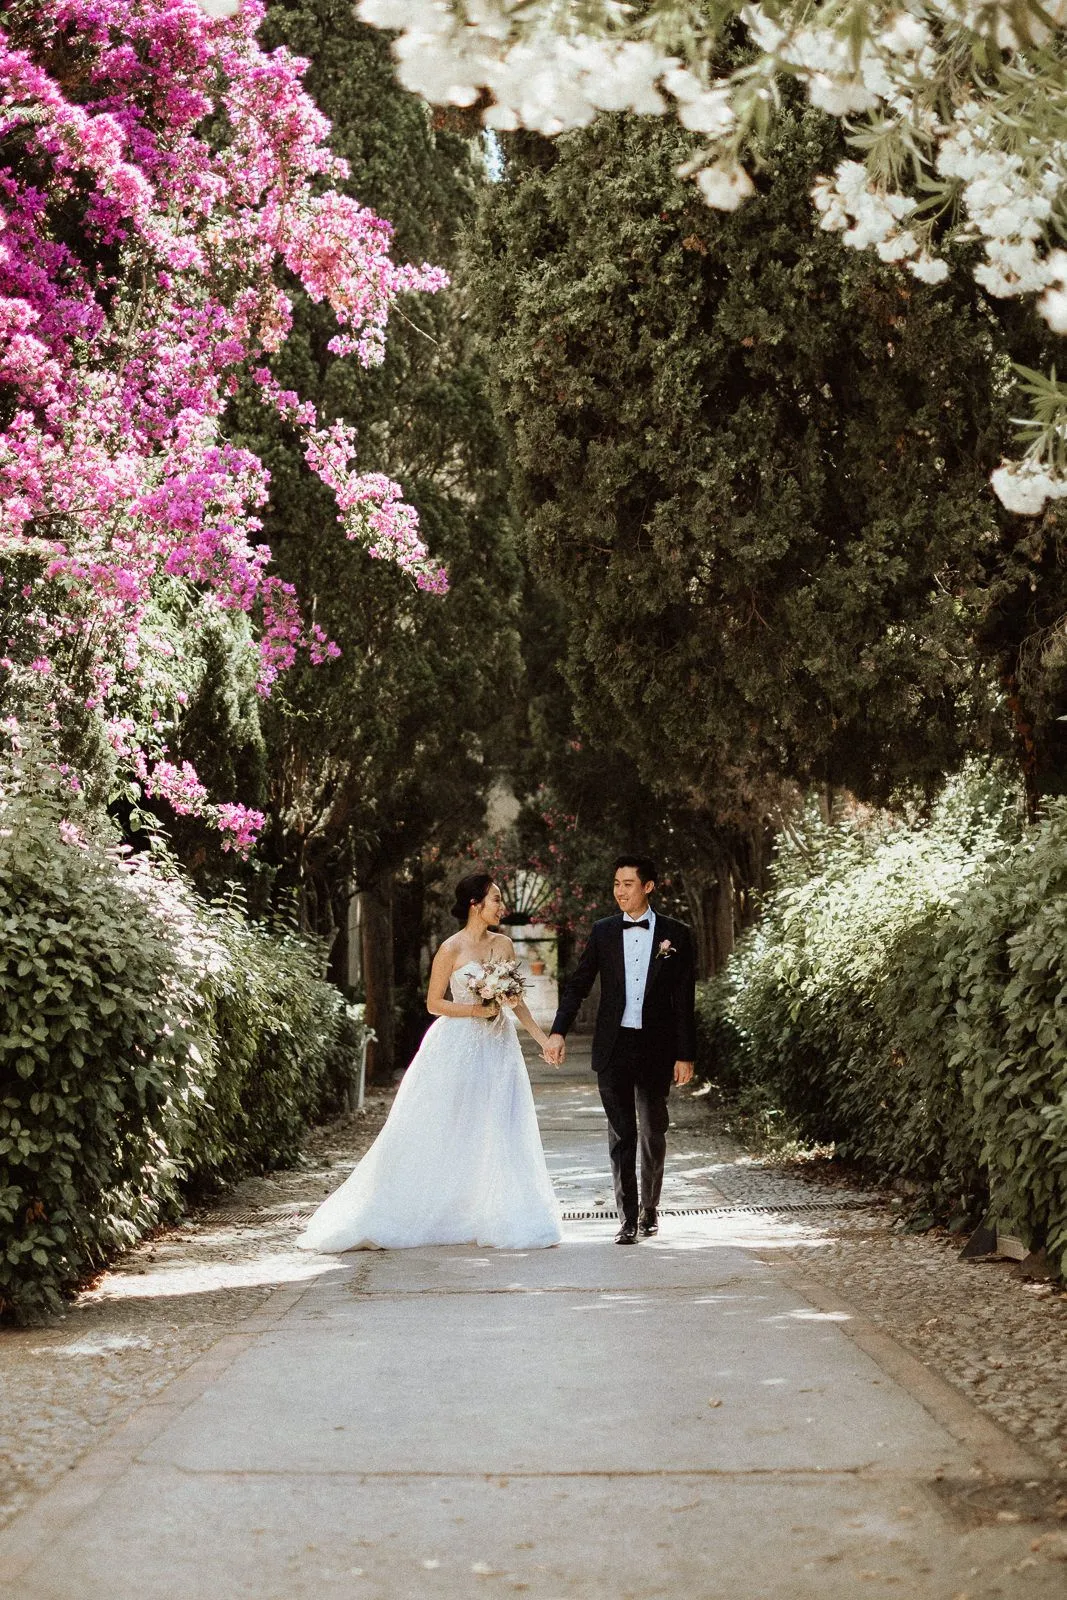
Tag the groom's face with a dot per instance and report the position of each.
(631, 895)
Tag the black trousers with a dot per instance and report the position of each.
(634, 1095)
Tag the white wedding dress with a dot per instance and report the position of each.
(459, 1160)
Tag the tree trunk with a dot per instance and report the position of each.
(340, 956)
(710, 896)
(756, 848)
(376, 922)
(700, 898)
(409, 925)
(723, 896)
(1025, 742)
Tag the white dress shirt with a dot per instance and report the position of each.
(636, 958)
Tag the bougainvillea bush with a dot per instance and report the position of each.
(149, 1046)
(162, 181)
(904, 996)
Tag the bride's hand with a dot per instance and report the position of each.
(486, 1009)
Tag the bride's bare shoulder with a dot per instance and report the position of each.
(503, 948)
(449, 949)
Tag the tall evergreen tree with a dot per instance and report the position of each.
(387, 752)
(752, 465)
(583, 770)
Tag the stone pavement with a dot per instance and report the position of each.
(676, 1419)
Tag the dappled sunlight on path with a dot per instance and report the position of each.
(587, 1422)
(271, 1269)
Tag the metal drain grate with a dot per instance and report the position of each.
(287, 1216)
(256, 1219)
(791, 1207)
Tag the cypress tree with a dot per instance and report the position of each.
(385, 755)
(751, 464)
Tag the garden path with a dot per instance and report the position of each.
(692, 1417)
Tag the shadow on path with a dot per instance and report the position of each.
(676, 1419)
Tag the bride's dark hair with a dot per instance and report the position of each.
(470, 891)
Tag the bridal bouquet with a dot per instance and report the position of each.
(498, 981)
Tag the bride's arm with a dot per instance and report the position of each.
(503, 947)
(522, 1011)
(437, 1002)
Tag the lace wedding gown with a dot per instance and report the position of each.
(459, 1160)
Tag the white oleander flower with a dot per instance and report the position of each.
(765, 32)
(542, 83)
(878, 78)
(819, 50)
(867, 216)
(725, 187)
(700, 109)
(897, 246)
(1053, 307)
(830, 206)
(433, 66)
(839, 96)
(929, 269)
(1011, 268)
(1025, 486)
(851, 179)
(905, 36)
(874, 222)
(422, 15)
(623, 77)
(1053, 303)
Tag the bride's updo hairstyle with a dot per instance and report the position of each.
(470, 891)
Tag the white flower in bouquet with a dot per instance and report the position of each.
(497, 981)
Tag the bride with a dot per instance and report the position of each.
(459, 1160)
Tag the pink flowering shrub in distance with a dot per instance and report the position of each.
(161, 179)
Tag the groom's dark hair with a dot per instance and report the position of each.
(644, 865)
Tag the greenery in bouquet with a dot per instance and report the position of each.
(497, 981)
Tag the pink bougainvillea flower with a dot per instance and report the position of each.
(139, 283)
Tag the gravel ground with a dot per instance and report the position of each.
(67, 1383)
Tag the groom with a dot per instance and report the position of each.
(645, 1035)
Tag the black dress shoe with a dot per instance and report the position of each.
(648, 1221)
(627, 1234)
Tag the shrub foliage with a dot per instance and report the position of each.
(904, 997)
(149, 1044)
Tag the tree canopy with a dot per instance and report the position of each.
(751, 463)
(390, 746)
(955, 112)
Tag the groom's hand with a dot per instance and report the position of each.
(556, 1049)
(683, 1072)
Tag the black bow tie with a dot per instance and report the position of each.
(630, 924)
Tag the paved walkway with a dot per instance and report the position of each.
(675, 1419)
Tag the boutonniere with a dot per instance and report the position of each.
(665, 949)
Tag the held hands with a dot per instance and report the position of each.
(683, 1072)
(555, 1050)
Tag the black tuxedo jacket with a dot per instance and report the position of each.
(667, 1018)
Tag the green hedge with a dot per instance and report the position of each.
(905, 996)
(149, 1045)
